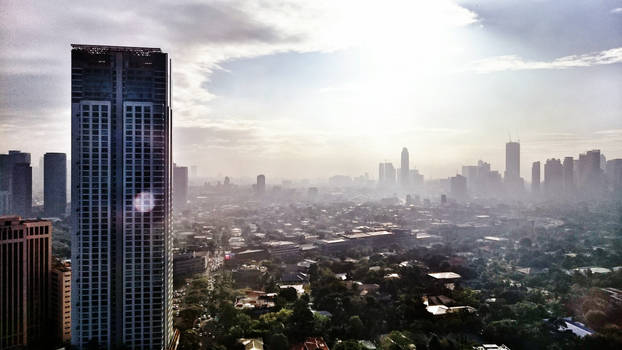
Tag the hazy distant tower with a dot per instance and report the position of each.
(405, 170)
(261, 184)
(180, 188)
(121, 177)
(568, 175)
(54, 183)
(512, 160)
(535, 177)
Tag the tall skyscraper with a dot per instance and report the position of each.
(387, 174)
(511, 177)
(194, 172)
(121, 174)
(25, 262)
(180, 188)
(16, 183)
(535, 177)
(405, 168)
(55, 184)
(261, 184)
(512, 160)
(568, 165)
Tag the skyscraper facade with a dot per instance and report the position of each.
(386, 174)
(405, 168)
(25, 262)
(54, 183)
(121, 197)
(180, 188)
(60, 301)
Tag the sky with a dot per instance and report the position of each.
(310, 89)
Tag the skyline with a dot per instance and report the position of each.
(271, 89)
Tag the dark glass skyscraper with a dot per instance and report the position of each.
(121, 197)
(54, 183)
(15, 184)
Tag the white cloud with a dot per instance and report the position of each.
(616, 10)
(514, 63)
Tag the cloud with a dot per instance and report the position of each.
(514, 63)
(616, 10)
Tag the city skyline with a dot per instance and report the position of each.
(273, 93)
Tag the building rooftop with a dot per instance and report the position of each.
(95, 49)
(444, 275)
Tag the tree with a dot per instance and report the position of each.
(348, 345)
(301, 321)
(288, 294)
(278, 341)
(356, 328)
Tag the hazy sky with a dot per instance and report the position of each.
(306, 89)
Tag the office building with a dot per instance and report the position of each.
(25, 259)
(121, 178)
(535, 177)
(180, 188)
(417, 179)
(16, 183)
(60, 301)
(55, 184)
(260, 187)
(194, 172)
(405, 168)
(614, 175)
(553, 177)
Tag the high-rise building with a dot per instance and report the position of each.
(25, 259)
(55, 184)
(16, 183)
(513, 181)
(180, 188)
(60, 301)
(261, 184)
(553, 177)
(417, 179)
(458, 187)
(386, 174)
(512, 161)
(405, 168)
(535, 177)
(121, 177)
(194, 171)
(568, 165)
(614, 174)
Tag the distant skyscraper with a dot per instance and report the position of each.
(614, 175)
(458, 187)
(386, 174)
(180, 188)
(512, 160)
(405, 168)
(25, 262)
(553, 177)
(55, 184)
(121, 181)
(194, 171)
(511, 177)
(568, 165)
(417, 179)
(16, 183)
(261, 184)
(535, 177)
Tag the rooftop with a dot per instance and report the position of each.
(95, 49)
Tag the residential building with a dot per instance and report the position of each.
(60, 300)
(121, 177)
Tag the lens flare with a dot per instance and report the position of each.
(144, 202)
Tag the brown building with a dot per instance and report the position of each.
(25, 259)
(60, 301)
